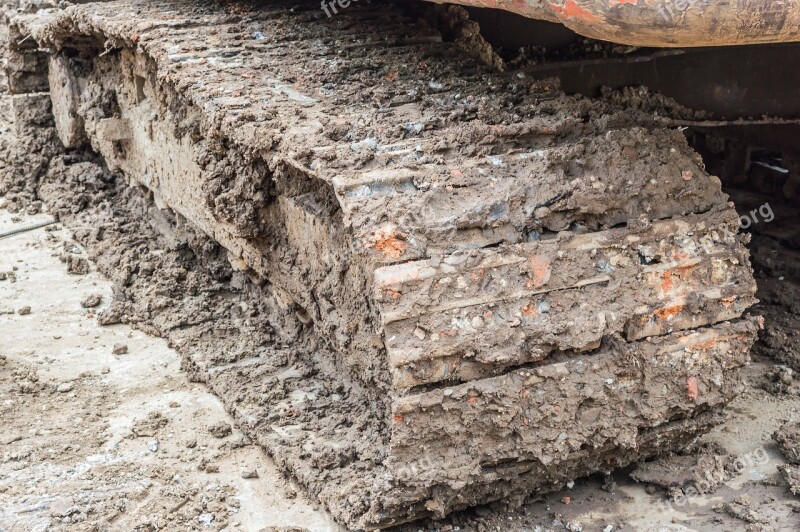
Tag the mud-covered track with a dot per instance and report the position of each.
(490, 270)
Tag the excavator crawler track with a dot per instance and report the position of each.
(501, 288)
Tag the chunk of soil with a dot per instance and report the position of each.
(76, 265)
(788, 440)
(120, 349)
(150, 425)
(92, 301)
(791, 474)
(704, 470)
(220, 430)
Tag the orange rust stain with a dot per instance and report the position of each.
(390, 244)
(472, 400)
(571, 9)
(398, 419)
(538, 270)
(728, 301)
(667, 283)
(529, 310)
(692, 389)
(703, 346)
(669, 312)
(456, 173)
(525, 393)
(478, 274)
(394, 294)
(680, 255)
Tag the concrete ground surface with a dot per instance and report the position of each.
(93, 440)
(101, 430)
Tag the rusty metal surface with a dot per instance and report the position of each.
(665, 23)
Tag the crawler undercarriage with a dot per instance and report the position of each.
(493, 288)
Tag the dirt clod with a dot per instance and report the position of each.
(703, 470)
(788, 440)
(120, 349)
(76, 264)
(250, 473)
(92, 301)
(791, 474)
(149, 426)
(220, 430)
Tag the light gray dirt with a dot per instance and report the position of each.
(91, 440)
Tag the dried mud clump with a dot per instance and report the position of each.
(701, 469)
(788, 440)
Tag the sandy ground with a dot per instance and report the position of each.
(92, 440)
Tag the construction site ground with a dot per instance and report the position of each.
(123, 438)
(93, 440)
(244, 318)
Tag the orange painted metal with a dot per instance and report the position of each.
(665, 23)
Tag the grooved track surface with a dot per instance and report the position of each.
(524, 287)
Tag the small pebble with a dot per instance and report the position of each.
(120, 349)
(92, 301)
(603, 266)
(249, 473)
(24, 311)
(65, 387)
